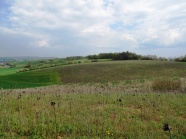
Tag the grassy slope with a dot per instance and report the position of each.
(121, 71)
(6, 71)
(98, 72)
(92, 112)
(19, 65)
(10, 79)
(29, 79)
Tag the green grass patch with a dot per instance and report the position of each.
(29, 79)
(6, 71)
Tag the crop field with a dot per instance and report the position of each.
(95, 72)
(119, 71)
(29, 79)
(98, 100)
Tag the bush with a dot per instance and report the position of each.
(94, 60)
(166, 85)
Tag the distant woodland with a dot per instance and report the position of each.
(125, 56)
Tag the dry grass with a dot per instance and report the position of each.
(166, 85)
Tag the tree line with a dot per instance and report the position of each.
(124, 56)
(181, 59)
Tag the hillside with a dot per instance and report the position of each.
(95, 72)
(119, 71)
(108, 99)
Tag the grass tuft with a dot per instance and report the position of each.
(166, 85)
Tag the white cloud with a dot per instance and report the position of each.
(172, 36)
(115, 25)
(42, 43)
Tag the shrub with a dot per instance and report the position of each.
(70, 62)
(94, 60)
(166, 85)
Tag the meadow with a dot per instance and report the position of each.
(91, 111)
(110, 100)
(94, 72)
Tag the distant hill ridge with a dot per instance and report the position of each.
(22, 58)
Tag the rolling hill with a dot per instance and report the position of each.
(95, 72)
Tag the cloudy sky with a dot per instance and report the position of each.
(63, 28)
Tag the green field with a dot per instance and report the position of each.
(106, 99)
(95, 72)
(29, 79)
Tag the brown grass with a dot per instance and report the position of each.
(166, 85)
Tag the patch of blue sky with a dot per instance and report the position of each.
(5, 13)
(119, 26)
(107, 3)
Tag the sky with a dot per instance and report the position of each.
(61, 28)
